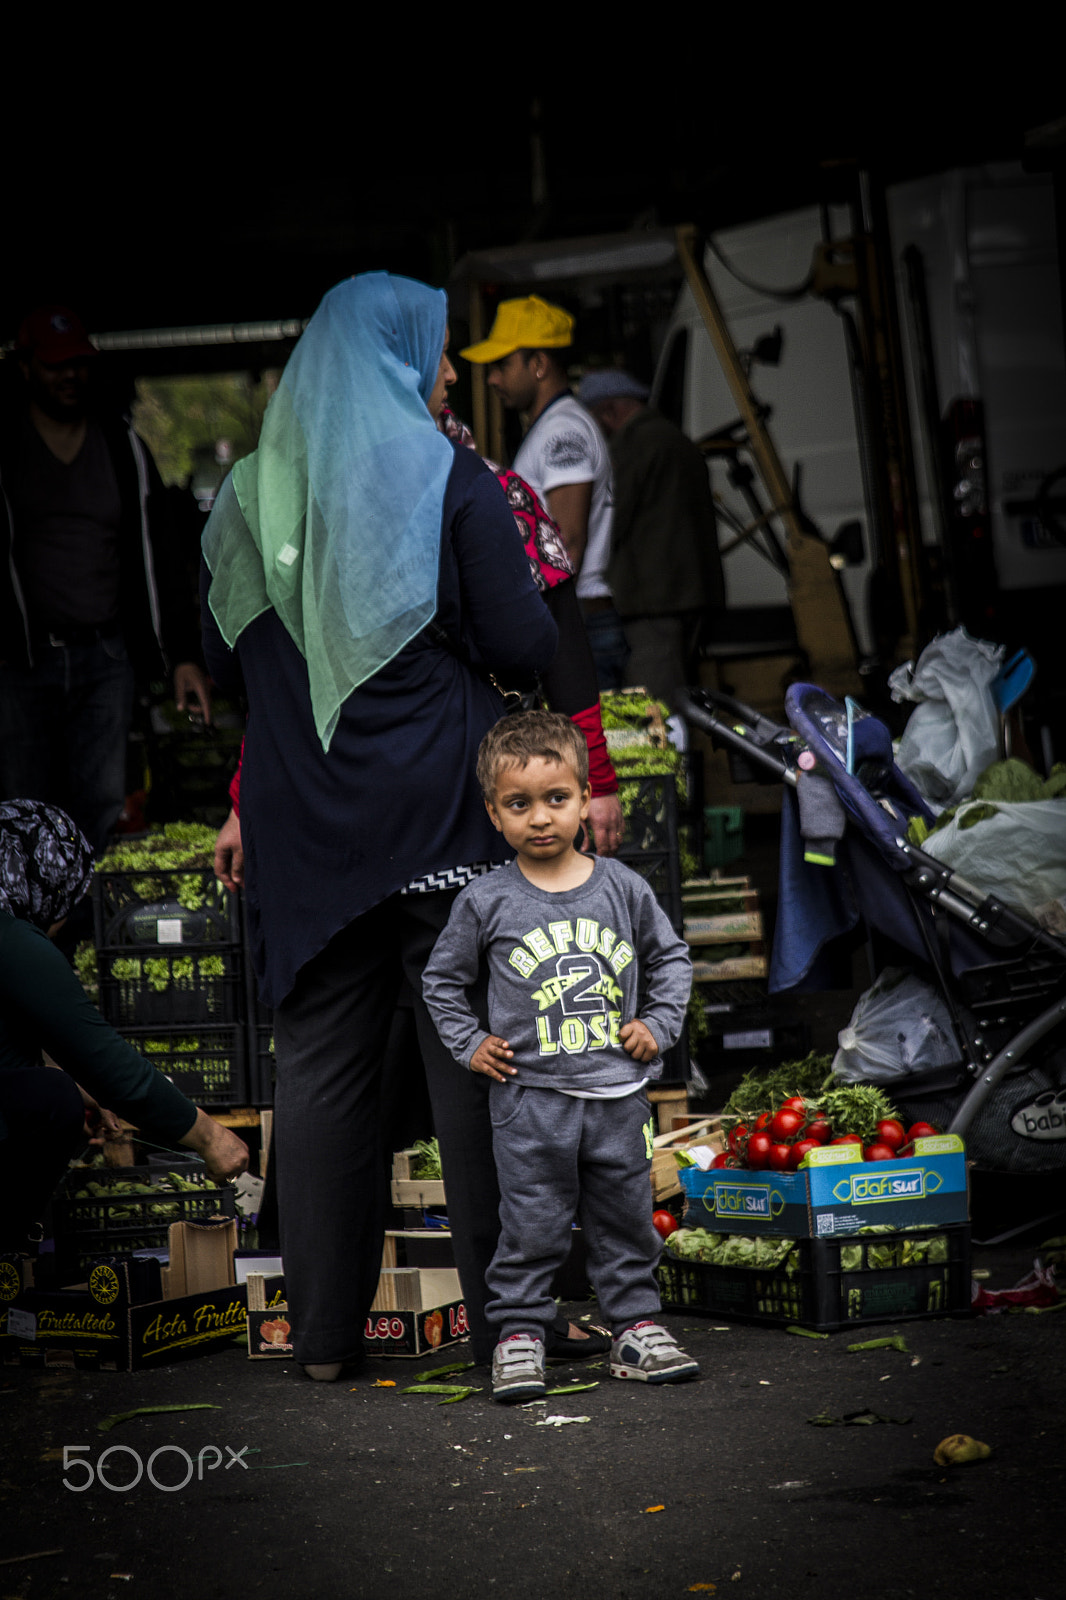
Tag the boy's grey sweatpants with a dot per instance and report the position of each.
(559, 1158)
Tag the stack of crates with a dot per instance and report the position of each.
(191, 765)
(260, 1035)
(170, 965)
(651, 847)
(95, 1215)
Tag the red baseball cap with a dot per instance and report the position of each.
(54, 335)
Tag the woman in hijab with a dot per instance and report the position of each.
(354, 525)
(46, 866)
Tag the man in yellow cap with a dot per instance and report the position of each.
(563, 456)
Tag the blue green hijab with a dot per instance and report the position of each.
(334, 521)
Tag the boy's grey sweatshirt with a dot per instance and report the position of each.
(566, 971)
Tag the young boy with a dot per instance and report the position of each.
(588, 984)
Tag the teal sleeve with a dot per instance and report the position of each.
(43, 1007)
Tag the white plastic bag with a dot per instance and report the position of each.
(900, 1026)
(1019, 854)
(953, 733)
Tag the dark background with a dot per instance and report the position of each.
(229, 198)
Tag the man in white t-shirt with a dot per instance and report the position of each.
(563, 457)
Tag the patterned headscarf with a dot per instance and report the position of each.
(46, 864)
(548, 560)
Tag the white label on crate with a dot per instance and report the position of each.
(759, 1039)
(21, 1324)
(168, 930)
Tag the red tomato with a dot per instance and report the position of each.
(786, 1124)
(921, 1130)
(800, 1149)
(820, 1129)
(847, 1138)
(736, 1137)
(763, 1120)
(793, 1103)
(880, 1152)
(759, 1151)
(780, 1157)
(723, 1160)
(890, 1131)
(665, 1222)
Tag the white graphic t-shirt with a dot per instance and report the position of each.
(564, 446)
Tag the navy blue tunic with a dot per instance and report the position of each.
(328, 836)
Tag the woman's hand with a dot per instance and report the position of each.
(192, 691)
(229, 854)
(224, 1155)
(101, 1125)
(607, 823)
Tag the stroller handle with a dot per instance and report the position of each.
(741, 728)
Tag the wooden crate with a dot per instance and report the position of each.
(416, 1288)
(705, 1131)
(669, 1106)
(423, 1193)
(719, 911)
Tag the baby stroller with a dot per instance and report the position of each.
(1002, 976)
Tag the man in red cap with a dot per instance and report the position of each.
(85, 605)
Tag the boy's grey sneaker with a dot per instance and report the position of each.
(518, 1368)
(649, 1354)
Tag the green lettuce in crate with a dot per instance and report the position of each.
(162, 974)
(734, 1249)
(212, 1066)
(87, 971)
(425, 1162)
(175, 846)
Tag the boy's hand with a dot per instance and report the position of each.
(491, 1058)
(638, 1041)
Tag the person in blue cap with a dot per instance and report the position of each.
(664, 570)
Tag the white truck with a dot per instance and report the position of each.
(986, 238)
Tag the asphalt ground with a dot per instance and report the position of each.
(722, 1486)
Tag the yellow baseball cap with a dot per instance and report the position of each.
(529, 324)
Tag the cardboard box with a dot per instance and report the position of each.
(415, 1333)
(835, 1195)
(269, 1325)
(416, 1310)
(110, 1323)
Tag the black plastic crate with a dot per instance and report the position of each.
(165, 906)
(261, 1065)
(88, 1226)
(833, 1284)
(210, 1065)
(171, 987)
(744, 1037)
(651, 845)
(191, 772)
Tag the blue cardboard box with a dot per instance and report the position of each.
(834, 1195)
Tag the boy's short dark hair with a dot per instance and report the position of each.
(518, 739)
